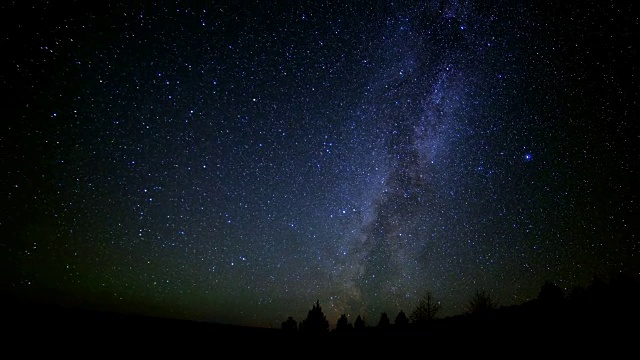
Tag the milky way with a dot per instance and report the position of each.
(237, 162)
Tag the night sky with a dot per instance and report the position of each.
(237, 161)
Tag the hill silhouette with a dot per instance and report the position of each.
(604, 310)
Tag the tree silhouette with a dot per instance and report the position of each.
(343, 325)
(315, 323)
(401, 319)
(290, 325)
(481, 303)
(426, 310)
(359, 324)
(384, 321)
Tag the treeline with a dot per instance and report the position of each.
(607, 307)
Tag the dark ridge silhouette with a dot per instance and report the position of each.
(601, 311)
(30, 320)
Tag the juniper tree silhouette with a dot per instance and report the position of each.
(551, 294)
(316, 322)
(401, 320)
(481, 303)
(426, 310)
(384, 321)
(359, 324)
(290, 326)
(343, 325)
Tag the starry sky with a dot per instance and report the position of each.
(235, 161)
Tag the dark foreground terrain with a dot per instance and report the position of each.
(600, 314)
(40, 320)
(31, 321)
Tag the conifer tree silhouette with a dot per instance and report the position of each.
(343, 325)
(384, 321)
(551, 294)
(290, 326)
(316, 322)
(401, 320)
(359, 324)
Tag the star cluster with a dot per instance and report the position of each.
(234, 162)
